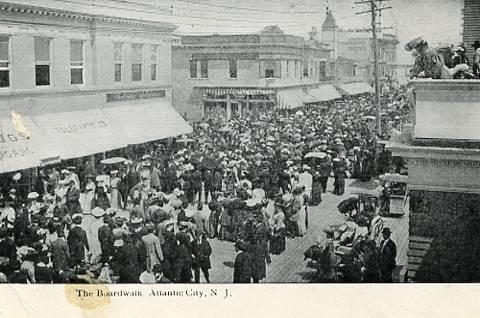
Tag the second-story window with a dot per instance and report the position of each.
(118, 60)
(137, 58)
(270, 69)
(193, 69)
(42, 61)
(153, 62)
(204, 68)
(76, 62)
(305, 68)
(233, 68)
(4, 62)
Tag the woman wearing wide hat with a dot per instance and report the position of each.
(476, 59)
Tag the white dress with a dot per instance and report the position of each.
(94, 243)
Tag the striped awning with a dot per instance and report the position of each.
(356, 88)
(324, 93)
(220, 92)
(290, 98)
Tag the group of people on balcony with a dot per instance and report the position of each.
(450, 62)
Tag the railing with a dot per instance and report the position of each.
(447, 110)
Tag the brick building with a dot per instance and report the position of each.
(74, 84)
(235, 74)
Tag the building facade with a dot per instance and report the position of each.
(235, 74)
(357, 46)
(71, 80)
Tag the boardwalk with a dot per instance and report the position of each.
(290, 266)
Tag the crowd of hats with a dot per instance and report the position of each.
(254, 148)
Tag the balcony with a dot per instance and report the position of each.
(447, 111)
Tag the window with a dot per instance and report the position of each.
(153, 62)
(118, 60)
(42, 61)
(322, 70)
(270, 69)
(137, 58)
(76, 62)
(204, 68)
(305, 68)
(193, 69)
(4, 62)
(233, 68)
(297, 69)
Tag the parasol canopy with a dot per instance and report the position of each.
(113, 160)
(319, 155)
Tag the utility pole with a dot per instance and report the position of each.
(374, 9)
(373, 6)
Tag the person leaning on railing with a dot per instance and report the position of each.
(429, 63)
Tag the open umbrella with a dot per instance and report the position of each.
(226, 129)
(319, 155)
(185, 140)
(113, 160)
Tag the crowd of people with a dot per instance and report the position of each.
(148, 216)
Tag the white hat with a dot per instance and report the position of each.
(17, 176)
(98, 212)
(101, 178)
(147, 278)
(146, 157)
(33, 195)
(114, 171)
(66, 171)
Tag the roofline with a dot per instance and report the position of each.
(28, 9)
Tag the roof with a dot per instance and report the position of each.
(329, 22)
(45, 11)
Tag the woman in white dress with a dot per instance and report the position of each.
(115, 196)
(299, 209)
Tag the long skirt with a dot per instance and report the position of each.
(116, 199)
(316, 196)
(277, 243)
(301, 224)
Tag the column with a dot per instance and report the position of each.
(229, 109)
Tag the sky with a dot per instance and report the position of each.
(436, 20)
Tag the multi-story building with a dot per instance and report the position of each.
(441, 150)
(74, 84)
(235, 74)
(357, 46)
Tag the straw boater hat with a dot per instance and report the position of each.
(32, 195)
(17, 176)
(98, 212)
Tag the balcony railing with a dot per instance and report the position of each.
(447, 110)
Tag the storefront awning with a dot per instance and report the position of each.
(22, 144)
(143, 122)
(324, 93)
(291, 98)
(80, 133)
(224, 91)
(356, 88)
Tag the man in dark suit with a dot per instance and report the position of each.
(201, 251)
(60, 253)
(242, 272)
(77, 241)
(72, 198)
(387, 256)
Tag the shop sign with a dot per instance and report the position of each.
(144, 94)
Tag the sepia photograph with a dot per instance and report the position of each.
(236, 142)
